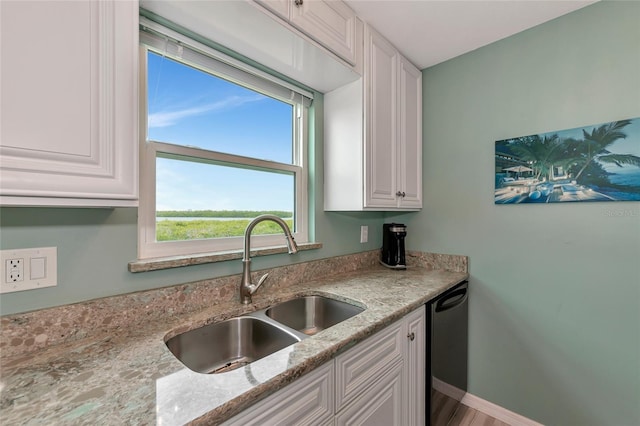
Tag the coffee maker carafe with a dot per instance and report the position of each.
(393, 235)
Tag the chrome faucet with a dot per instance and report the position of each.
(246, 287)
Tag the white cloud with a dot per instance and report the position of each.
(170, 118)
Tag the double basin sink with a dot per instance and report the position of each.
(233, 343)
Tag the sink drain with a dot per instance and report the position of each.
(239, 363)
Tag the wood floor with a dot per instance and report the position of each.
(447, 411)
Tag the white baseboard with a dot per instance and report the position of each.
(477, 403)
(447, 389)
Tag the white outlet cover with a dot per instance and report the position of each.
(14, 270)
(38, 269)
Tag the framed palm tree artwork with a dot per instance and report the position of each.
(593, 163)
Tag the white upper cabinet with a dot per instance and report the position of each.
(282, 8)
(262, 31)
(69, 103)
(331, 23)
(381, 121)
(409, 161)
(373, 134)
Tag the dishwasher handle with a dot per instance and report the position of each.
(451, 300)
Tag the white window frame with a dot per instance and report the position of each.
(164, 41)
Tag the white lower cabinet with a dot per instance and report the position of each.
(380, 381)
(380, 405)
(358, 369)
(414, 363)
(307, 401)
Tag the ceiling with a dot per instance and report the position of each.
(432, 31)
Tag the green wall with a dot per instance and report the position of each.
(95, 245)
(555, 289)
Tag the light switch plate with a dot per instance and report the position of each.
(27, 269)
(364, 233)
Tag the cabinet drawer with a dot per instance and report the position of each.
(359, 368)
(307, 401)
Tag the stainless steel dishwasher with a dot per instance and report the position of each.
(448, 343)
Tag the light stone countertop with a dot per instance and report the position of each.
(129, 376)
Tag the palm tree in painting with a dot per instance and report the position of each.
(594, 146)
(567, 154)
(539, 152)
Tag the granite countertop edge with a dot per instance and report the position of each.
(140, 360)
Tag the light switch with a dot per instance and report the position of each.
(38, 268)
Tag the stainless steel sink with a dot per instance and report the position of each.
(312, 314)
(229, 344)
(226, 345)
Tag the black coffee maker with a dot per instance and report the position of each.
(393, 245)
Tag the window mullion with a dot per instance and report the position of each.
(221, 158)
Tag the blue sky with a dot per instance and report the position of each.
(192, 108)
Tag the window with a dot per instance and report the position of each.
(221, 143)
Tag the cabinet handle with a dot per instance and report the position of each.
(411, 336)
(298, 2)
(400, 194)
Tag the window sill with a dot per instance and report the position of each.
(155, 264)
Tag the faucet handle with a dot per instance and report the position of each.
(260, 281)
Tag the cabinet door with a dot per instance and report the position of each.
(380, 78)
(308, 401)
(415, 359)
(410, 136)
(330, 23)
(381, 405)
(278, 7)
(360, 367)
(69, 103)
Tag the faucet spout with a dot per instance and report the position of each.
(247, 288)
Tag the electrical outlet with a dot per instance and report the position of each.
(14, 270)
(364, 233)
(26, 269)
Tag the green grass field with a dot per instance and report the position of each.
(174, 230)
